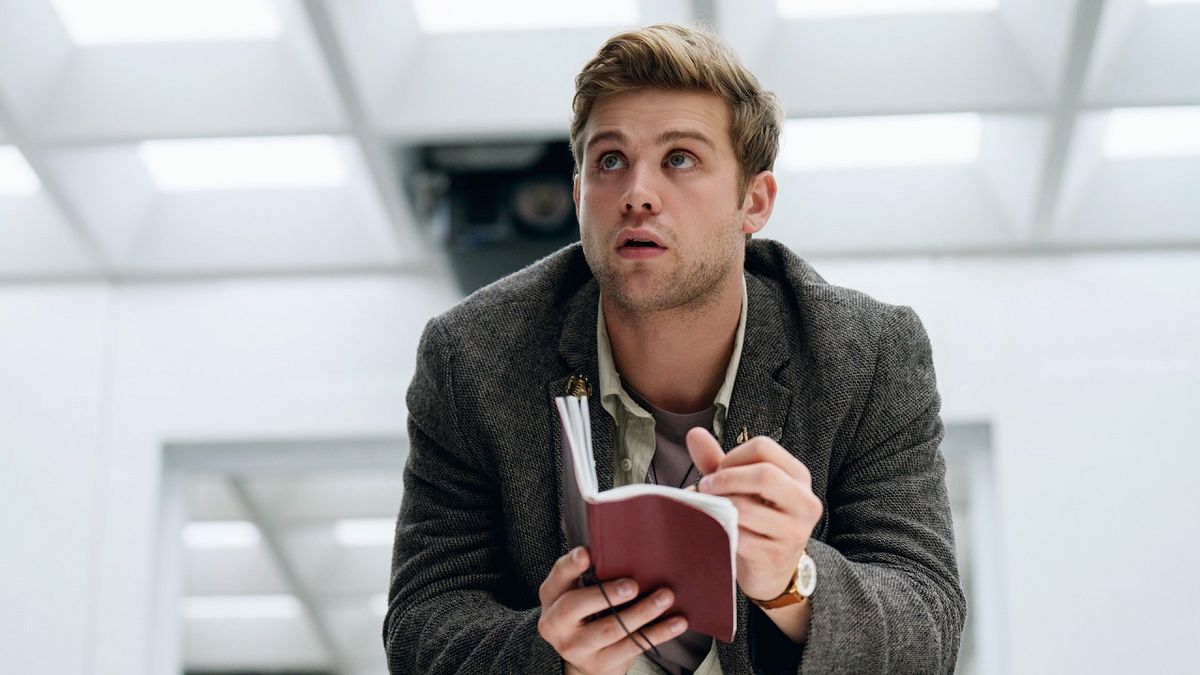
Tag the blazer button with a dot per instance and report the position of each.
(626, 465)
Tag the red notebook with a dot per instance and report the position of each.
(660, 536)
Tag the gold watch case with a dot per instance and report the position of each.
(804, 582)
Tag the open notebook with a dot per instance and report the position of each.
(660, 536)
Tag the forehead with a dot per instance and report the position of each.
(647, 113)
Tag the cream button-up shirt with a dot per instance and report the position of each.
(636, 440)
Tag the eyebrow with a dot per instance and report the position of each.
(664, 138)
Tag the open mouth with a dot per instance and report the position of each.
(639, 243)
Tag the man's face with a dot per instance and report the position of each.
(657, 197)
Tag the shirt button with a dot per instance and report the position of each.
(626, 465)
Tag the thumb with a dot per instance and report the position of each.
(705, 450)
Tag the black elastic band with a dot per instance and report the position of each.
(589, 579)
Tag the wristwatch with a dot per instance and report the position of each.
(804, 581)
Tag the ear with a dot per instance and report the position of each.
(575, 191)
(759, 202)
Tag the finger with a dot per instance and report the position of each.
(563, 575)
(761, 519)
(766, 481)
(663, 631)
(763, 449)
(705, 450)
(607, 631)
(575, 606)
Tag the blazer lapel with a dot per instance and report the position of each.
(577, 346)
(760, 402)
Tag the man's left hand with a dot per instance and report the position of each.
(777, 509)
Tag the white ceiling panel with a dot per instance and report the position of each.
(1041, 30)
(139, 92)
(880, 65)
(837, 211)
(1036, 71)
(69, 92)
(1112, 196)
(35, 51)
(1011, 149)
(338, 583)
(272, 644)
(148, 229)
(941, 205)
(91, 24)
(475, 16)
(259, 230)
(1147, 55)
(232, 572)
(110, 187)
(333, 496)
(34, 239)
(1137, 202)
(379, 40)
(525, 92)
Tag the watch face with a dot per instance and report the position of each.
(806, 576)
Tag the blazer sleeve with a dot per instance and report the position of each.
(445, 610)
(888, 598)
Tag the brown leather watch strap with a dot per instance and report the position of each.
(789, 596)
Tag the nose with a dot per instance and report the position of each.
(641, 194)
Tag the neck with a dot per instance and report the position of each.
(677, 359)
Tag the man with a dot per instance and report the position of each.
(823, 401)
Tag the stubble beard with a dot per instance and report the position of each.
(689, 286)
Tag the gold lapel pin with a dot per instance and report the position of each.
(744, 436)
(579, 386)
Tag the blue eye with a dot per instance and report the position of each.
(680, 160)
(611, 162)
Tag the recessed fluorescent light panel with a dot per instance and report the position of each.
(283, 162)
(16, 178)
(1159, 3)
(240, 607)
(822, 9)
(1142, 133)
(877, 142)
(365, 531)
(220, 534)
(453, 16)
(92, 23)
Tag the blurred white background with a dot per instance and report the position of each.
(221, 234)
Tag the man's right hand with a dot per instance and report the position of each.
(599, 646)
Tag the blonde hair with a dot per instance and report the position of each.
(670, 56)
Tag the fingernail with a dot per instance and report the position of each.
(663, 599)
(625, 589)
(576, 554)
(706, 482)
(677, 625)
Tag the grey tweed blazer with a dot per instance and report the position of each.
(844, 382)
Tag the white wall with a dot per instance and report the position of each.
(1086, 366)
(53, 419)
(206, 361)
